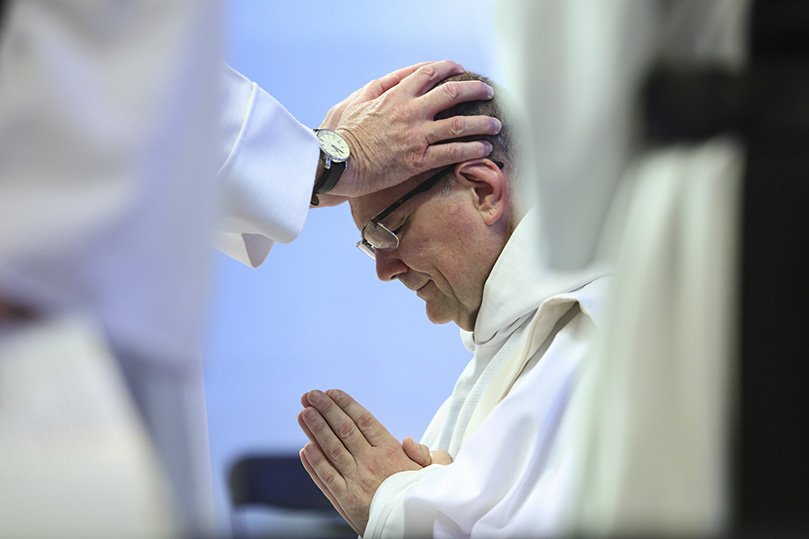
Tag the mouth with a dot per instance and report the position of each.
(415, 287)
(421, 289)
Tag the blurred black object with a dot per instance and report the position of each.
(688, 104)
(280, 482)
(772, 468)
(767, 105)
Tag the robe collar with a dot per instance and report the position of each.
(517, 285)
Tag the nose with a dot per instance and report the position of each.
(389, 265)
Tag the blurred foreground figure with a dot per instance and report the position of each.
(650, 121)
(107, 129)
(116, 118)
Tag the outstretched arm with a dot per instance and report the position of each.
(391, 132)
(270, 160)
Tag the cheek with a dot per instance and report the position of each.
(438, 247)
(416, 251)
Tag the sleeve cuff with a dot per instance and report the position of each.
(266, 180)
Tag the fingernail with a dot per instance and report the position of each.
(315, 396)
(488, 146)
(497, 125)
(310, 414)
(335, 394)
(491, 91)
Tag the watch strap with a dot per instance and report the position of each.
(329, 178)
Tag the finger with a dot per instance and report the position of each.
(386, 83)
(371, 429)
(326, 492)
(327, 441)
(418, 453)
(341, 423)
(427, 76)
(307, 450)
(323, 469)
(462, 126)
(439, 456)
(451, 93)
(439, 155)
(305, 428)
(409, 70)
(377, 87)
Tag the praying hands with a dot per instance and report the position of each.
(351, 453)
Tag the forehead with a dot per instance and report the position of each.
(365, 207)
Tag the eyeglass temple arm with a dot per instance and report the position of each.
(423, 186)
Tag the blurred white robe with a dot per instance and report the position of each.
(655, 406)
(110, 141)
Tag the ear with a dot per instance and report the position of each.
(488, 187)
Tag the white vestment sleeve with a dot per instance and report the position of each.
(267, 177)
(387, 515)
(507, 478)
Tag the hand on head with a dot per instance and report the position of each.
(390, 128)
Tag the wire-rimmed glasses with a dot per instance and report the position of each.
(376, 236)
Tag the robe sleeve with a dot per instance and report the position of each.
(265, 183)
(508, 478)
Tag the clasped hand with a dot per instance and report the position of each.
(351, 453)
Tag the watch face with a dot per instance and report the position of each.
(333, 144)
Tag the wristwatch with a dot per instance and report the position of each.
(334, 153)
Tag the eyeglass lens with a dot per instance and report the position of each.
(375, 235)
(380, 236)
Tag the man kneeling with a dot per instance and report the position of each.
(492, 462)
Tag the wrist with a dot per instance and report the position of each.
(349, 181)
(319, 172)
(334, 156)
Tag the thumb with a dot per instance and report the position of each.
(439, 456)
(418, 453)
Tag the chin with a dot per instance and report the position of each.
(438, 318)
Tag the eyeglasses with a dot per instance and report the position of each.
(376, 236)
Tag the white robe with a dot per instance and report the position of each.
(655, 406)
(506, 477)
(266, 180)
(108, 150)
